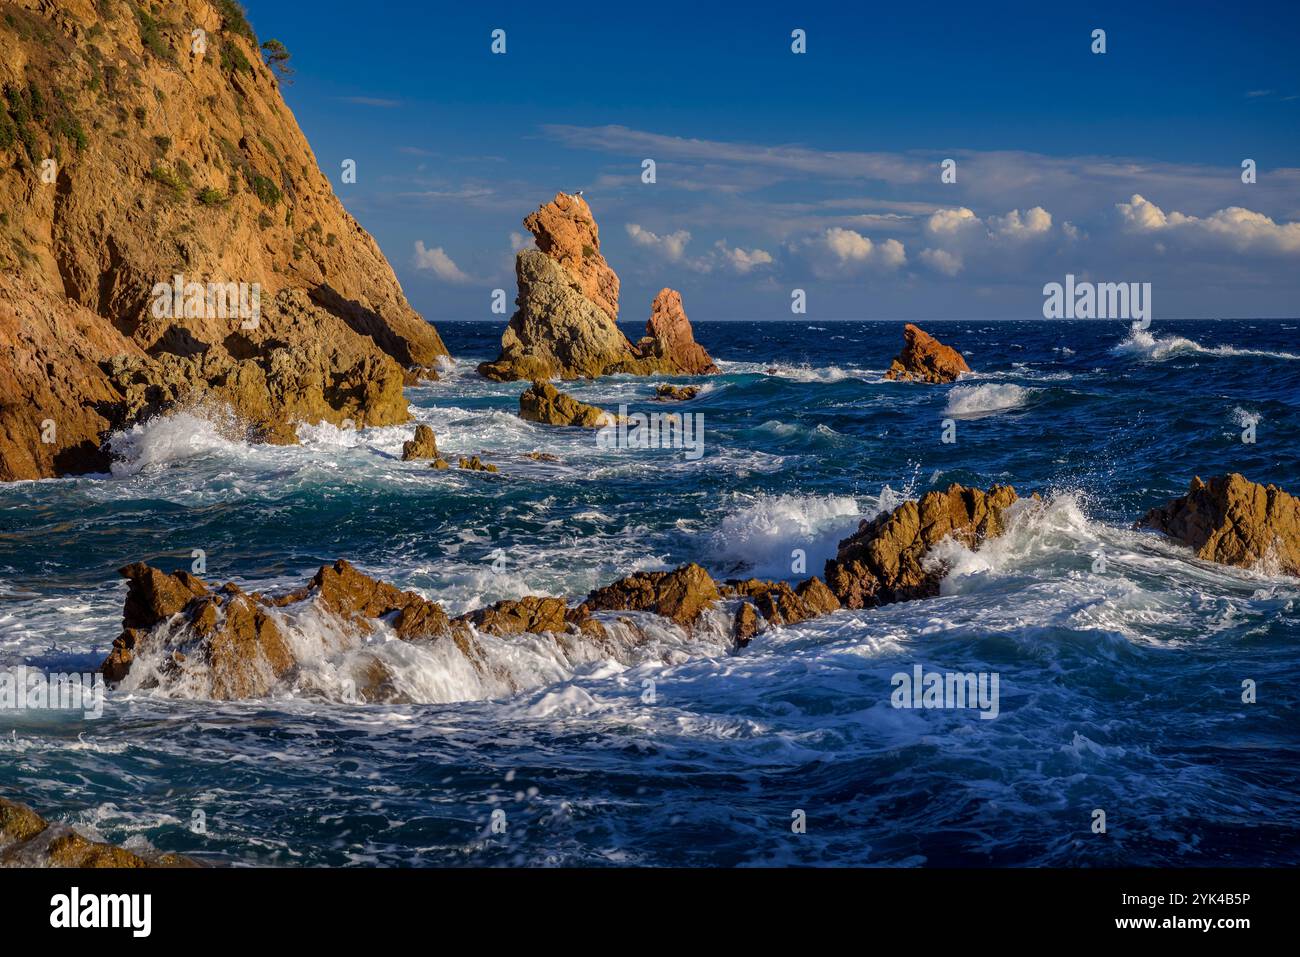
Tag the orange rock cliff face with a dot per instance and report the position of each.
(132, 154)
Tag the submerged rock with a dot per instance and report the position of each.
(1233, 521)
(29, 840)
(676, 393)
(543, 403)
(884, 561)
(564, 327)
(925, 359)
(423, 446)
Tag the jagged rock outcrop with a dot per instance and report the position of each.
(423, 446)
(669, 340)
(925, 359)
(226, 643)
(884, 561)
(543, 403)
(675, 393)
(780, 604)
(476, 464)
(681, 595)
(29, 840)
(745, 625)
(565, 230)
(1233, 521)
(166, 162)
(564, 327)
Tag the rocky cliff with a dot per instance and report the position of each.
(167, 237)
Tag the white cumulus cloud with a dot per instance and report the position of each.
(941, 260)
(438, 262)
(950, 222)
(672, 246)
(1021, 224)
(1239, 228)
(742, 260)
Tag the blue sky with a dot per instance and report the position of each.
(819, 171)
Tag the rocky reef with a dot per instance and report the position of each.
(1233, 521)
(29, 840)
(565, 325)
(925, 359)
(169, 240)
(226, 643)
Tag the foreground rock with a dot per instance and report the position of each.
(543, 403)
(476, 464)
(29, 840)
(423, 446)
(1233, 521)
(226, 643)
(565, 324)
(174, 165)
(925, 359)
(884, 561)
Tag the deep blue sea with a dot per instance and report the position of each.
(1120, 688)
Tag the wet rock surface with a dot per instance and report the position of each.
(1234, 521)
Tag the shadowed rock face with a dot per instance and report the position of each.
(543, 403)
(1233, 521)
(172, 164)
(777, 603)
(28, 840)
(925, 359)
(882, 561)
(565, 326)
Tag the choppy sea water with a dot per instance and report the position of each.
(1120, 689)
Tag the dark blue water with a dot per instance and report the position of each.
(1120, 690)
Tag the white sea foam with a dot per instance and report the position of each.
(759, 537)
(1142, 344)
(165, 439)
(968, 401)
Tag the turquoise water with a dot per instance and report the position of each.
(1120, 689)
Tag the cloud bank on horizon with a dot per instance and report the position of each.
(1005, 155)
